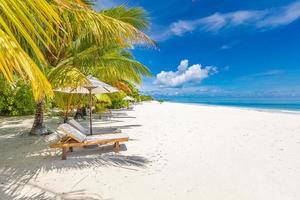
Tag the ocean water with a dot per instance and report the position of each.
(288, 104)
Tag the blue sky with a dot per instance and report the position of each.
(221, 47)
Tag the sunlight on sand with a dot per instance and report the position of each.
(175, 151)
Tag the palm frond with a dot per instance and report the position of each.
(104, 29)
(13, 59)
(67, 76)
(122, 85)
(23, 34)
(137, 16)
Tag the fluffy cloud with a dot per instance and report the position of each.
(261, 19)
(184, 74)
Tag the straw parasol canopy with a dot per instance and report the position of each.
(95, 87)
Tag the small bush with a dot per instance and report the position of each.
(146, 98)
(17, 100)
(160, 101)
(117, 100)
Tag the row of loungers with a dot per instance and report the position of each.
(74, 135)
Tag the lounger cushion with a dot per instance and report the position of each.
(78, 126)
(68, 130)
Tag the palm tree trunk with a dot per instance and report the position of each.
(38, 127)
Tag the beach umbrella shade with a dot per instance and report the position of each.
(95, 87)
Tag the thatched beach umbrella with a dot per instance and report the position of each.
(95, 87)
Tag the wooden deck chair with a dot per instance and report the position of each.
(85, 131)
(72, 137)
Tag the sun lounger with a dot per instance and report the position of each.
(83, 130)
(78, 126)
(72, 137)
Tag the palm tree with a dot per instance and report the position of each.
(110, 63)
(74, 55)
(22, 36)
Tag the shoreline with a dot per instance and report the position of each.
(270, 110)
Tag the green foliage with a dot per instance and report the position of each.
(17, 100)
(68, 101)
(161, 101)
(103, 99)
(117, 100)
(102, 103)
(137, 16)
(146, 98)
(130, 89)
(134, 91)
(137, 97)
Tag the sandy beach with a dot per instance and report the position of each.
(175, 151)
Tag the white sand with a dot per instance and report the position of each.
(176, 151)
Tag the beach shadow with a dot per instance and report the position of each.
(27, 156)
(116, 117)
(13, 131)
(16, 176)
(13, 120)
(121, 115)
(47, 194)
(108, 126)
(127, 126)
(105, 122)
(24, 157)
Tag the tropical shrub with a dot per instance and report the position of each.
(16, 100)
(117, 100)
(102, 103)
(146, 98)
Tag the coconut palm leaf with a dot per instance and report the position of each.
(67, 76)
(22, 29)
(137, 17)
(96, 26)
(113, 65)
(122, 85)
(31, 27)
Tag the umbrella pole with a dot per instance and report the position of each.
(91, 128)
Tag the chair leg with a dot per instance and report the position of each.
(117, 147)
(64, 154)
(71, 149)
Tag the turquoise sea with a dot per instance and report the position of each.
(269, 103)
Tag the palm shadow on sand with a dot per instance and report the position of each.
(26, 157)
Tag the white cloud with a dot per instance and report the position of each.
(183, 65)
(273, 72)
(217, 21)
(213, 22)
(282, 16)
(184, 74)
(262, 19)
(181, 27)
